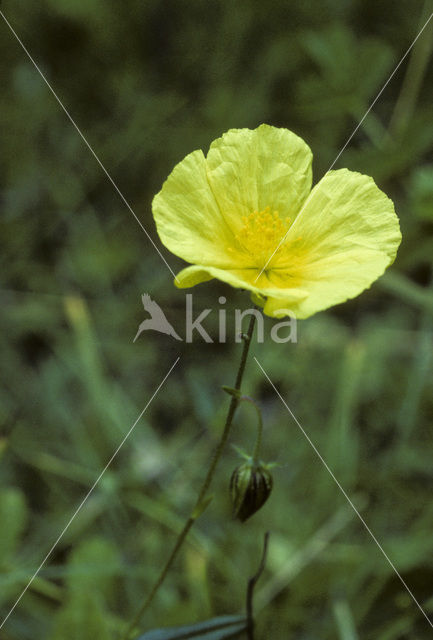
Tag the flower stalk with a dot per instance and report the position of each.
(202, 499)
(258, 444)
(251, 482)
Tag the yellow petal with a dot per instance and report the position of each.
(190, 276)
(288, 305)
(343, 239)
(250, 170)
(188, 219)
(278, 299)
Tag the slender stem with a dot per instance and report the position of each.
(197, 510)
(259, 426)
(250, 591)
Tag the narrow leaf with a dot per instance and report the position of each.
(231, 391)
(201, 507)
(220, 628)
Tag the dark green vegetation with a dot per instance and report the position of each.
(148, 82)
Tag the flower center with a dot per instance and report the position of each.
(261, 233)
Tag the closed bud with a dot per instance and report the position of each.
(250, 487)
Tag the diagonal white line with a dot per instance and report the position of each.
(382, 90)
(88, 145)
(353, 133)
(323, 461)
(84, 500)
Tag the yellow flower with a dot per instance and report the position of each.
(246, 214)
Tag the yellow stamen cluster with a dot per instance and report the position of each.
(261, 233)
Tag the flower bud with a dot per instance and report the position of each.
(250, 487)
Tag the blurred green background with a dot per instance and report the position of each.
(148, 82)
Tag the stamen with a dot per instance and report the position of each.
(261, 233)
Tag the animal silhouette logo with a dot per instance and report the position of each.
(157, 320)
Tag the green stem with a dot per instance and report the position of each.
(259, 426)
(197, 510)
(250, 591)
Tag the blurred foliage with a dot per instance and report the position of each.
(148, 82)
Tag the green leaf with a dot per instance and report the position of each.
(214, 629)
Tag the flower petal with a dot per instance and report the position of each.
(250, 170)
(244, 279)
(187, 217)
(343, 239)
